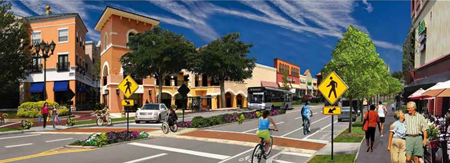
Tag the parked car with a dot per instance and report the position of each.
(151, 112)
(345, 111)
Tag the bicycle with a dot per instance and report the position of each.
(101, 120)
(259, 151)
(165, 126)
(306, 126)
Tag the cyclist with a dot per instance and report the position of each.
(105, 111)
(172, 117)
(263, 128)
(306, 115)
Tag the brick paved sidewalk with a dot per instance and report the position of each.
(98, 130)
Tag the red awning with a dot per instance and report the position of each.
(269, 84)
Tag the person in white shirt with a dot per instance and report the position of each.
(382, 113)
(393, 107)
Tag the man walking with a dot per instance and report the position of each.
(416, 128)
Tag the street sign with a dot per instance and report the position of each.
(332, 110)
(128, 86)
(332, 87)
(183, 90)
(128, 102)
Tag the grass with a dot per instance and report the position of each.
(95, 121)
(339, 158)
(356, 136)
(6, 129)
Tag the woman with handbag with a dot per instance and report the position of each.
(54, 116)
(44, 113)
(371, 119)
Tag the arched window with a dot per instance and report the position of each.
(131, 33)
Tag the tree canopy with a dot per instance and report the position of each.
(285, 85)
(225, 59)
(158, 53)
(15, 53)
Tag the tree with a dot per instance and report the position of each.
(225, 59)
(15, 53)
(158, 53)
(397, 74)
(356, 61)
(285, 81)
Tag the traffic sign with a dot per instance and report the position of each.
(128, 102)
(331, 110)
(183, 90)
(332, 87)
(128, 86)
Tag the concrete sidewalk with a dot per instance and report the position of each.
(380, 152)
(340, 148)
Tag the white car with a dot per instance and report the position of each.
(151, 112)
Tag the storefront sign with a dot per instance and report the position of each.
(421, 27)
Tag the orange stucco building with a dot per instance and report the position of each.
(66, 69)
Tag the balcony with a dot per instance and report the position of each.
(62, 66)
(81, 69)
(36, 68)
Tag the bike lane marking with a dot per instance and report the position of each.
(322, 128)
(302, 127)
(183, 151)
(146, 158)
(232, 157)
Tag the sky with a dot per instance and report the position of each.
(303, 32)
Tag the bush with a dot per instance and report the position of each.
(199, 122)
(62, 111)
(71, 122)
(33, 109)
(26, 124)
(102, 139)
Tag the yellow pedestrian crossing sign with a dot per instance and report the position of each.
(332, 87)
(128, 102)
(331, 110)
(128, 86)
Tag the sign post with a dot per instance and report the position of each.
(128, 86)
(184, 90)
(332, 88)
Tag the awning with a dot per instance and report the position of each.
(296, 86)
(61, 86)
(417, 95)
(82, 89)
(432, 93)
(269, 84)
(445, 93)
(37, 87)
(310, 87)
(303, 86)
(140, 90)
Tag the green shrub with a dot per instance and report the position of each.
(62, 111)
(26, 124)
(199, 122)
(71, 122)
(33, 109)
(241, 119)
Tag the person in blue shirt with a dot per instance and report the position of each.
(263, 128)
(397, 139)
(306, 115)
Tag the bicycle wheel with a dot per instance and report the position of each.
(270, 145)
(165, 127)
(305, 127)
(257, 154)
(99, 122)
(174, 128)
(110, 121)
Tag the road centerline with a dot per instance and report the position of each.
(183, 151)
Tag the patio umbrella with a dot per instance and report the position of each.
(441, 89)
(418, 95)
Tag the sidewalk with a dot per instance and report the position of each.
(78, 115)
(340, 148)
(380, 152)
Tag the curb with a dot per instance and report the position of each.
(13, 132)
(108, 145)
(357, 153)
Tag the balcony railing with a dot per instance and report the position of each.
(36, 68)
(62, 66)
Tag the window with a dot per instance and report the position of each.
(63, 62)
(35, 38)
(81, 41)
(63, 35)
(36, 65)
(105, 42)
(77, 36)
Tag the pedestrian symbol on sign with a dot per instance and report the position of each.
(333, 85)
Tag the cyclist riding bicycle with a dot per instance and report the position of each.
(105, 111)
(172, 117)
(306, 114)
(263, 128)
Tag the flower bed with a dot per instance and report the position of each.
(33, 109)
(199, 121)
(106, 138)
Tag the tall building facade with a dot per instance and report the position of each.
(293, 74)
(66, 68)
(431, 54)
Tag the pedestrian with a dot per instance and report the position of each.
(393, 107)
(371, 119)
(382, 113)
(397, 136)
(54, 116)
(416, 133)
(44, 114)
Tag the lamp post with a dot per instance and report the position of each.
(45, 48)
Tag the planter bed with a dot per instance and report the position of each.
(108, 138)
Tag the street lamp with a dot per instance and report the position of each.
(45, 48)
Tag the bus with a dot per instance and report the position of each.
(267, 98)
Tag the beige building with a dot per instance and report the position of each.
(262, 75)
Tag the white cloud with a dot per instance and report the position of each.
(369, 7)
(19, 11)
(387, 45)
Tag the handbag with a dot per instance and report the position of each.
(366, 123)
(40, 119)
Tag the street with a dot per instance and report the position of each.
(173, 149)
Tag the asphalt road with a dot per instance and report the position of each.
(164, 150)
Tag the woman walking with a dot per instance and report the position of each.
(397, 136)
(371, 120)
(44, 113)
(54, 116)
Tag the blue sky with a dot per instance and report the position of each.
(303, 32)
